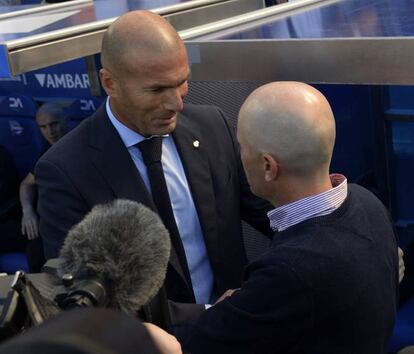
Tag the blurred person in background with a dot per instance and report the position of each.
(51, 121)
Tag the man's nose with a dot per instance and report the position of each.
(175, 100)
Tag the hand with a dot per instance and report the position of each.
(227, 293)
(30, 225)
(401, 266)
(166, 343)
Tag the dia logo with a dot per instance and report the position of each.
(67, 81)
(87, 105)
(15, 102)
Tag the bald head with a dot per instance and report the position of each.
(135, 37)
(51, 109)
(145, 72)
(292, 121)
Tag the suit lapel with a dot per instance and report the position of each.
(115, 164)
(192, 149)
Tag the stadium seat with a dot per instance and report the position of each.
(403, 334)
(19, 132)
(81, 109)
(12, 262)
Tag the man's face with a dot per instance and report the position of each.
(50, 127)
(148, 98)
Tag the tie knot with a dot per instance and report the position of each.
(151, 150)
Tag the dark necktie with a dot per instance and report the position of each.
(151, 150)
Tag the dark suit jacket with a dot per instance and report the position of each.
(91, 165)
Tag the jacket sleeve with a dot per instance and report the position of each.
(60, 205)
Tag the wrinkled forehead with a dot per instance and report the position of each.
(141, 57)
(172, 66)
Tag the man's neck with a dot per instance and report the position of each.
(292, 190)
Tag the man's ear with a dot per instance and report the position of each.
(108, 82)
(270, 167)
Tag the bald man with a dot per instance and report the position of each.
(50, 119)
(144, 72)
(328, 284)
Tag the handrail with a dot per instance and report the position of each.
(243, 19)
(44, 8)
(97, 25)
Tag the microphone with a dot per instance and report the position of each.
(124, 246)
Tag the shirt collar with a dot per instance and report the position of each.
(128, 136)
(324, 203)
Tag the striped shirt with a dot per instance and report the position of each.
(321, 204)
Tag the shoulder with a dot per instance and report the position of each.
(76, 141)
(201, 109)
(204, 114)
(359, 190)
(67, 145)
(361, 195)
(207, 119)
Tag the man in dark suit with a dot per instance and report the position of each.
(329, 281)
(145, 73)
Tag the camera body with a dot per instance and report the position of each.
(27, 300)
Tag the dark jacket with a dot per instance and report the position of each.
(91, 165)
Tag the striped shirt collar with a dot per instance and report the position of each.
(321, 204)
